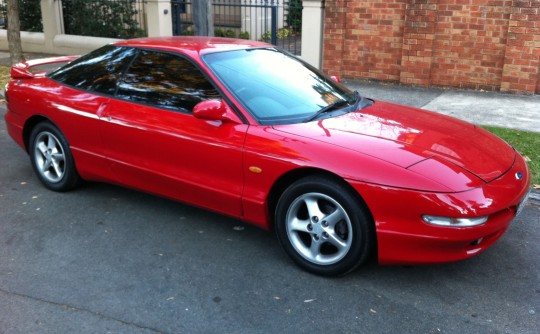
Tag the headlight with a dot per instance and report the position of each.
(454, 222)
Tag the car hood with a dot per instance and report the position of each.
(412, 138)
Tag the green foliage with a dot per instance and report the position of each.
(3, 16)
(281, 34)
(29, 15)
(244, 35)
(526, 143)
(188, 32)
(4, 76)
(101, 18)
(294, 15)
(218, 32)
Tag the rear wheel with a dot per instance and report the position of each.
(323, 226)
(51, 158)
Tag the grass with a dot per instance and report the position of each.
(527, 143)
(4, 76)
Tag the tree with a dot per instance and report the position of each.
(14, 32)
(114, 19)
(30, 15)
(202, 18)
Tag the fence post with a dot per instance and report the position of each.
(159, 18)
(274, 24)
(53, 22)
(312, 31)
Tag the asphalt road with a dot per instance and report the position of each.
(104, 259)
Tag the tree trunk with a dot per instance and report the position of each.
(14, 32)
(202, 18)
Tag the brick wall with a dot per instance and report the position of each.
(478, 44)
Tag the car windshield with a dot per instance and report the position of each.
(277, 88)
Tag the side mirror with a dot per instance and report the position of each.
(336, 78)
(215, 110)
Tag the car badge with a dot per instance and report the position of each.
(519, 176)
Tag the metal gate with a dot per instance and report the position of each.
(273, 21)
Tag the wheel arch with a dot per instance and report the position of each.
(285, 180)
(67, 176)
(363, 249)
(29, 126)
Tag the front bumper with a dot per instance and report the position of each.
(404, 238)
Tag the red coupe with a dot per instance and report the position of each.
(249, 131)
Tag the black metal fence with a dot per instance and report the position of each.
(104, 18)
(3, 16)
(99, 18)
(273, 21)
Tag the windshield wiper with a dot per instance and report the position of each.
(361, 102)
(328, 108)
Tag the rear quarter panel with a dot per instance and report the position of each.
(74, 112)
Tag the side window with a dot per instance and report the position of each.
(97, 71)
(165, 80)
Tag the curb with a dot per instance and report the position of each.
(535, 197)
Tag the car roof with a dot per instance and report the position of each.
(192, 44)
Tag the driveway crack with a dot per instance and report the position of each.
(431, 100)
(83, 310)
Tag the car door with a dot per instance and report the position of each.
(155, 144)
(86, 85)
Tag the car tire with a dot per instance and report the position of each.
(51, 158)
(324, 226)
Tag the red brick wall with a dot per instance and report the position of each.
(364, 38)
(522, 57)
(418, 42)
(478, 44)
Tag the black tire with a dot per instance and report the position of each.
(330, 236)
(51, 158)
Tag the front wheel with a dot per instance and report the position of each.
(323, 226)
(51, 158)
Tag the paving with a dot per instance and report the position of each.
(104, 259)
(6, 61)
(484, 108)
(520, 112)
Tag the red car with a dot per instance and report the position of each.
(249, 131)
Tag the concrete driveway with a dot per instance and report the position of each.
(104, 259)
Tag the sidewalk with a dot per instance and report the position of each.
(483, 108)
(5, 61)
(478, 107)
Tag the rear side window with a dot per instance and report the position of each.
(165, 80)
(97, 71)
